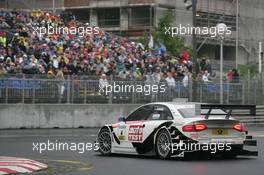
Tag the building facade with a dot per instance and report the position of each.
(250, 29)
(134, 17)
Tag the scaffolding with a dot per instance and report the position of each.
(210, 13)
(126, 17)
(33, 4)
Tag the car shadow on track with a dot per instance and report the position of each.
(187, 158)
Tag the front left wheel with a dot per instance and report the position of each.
(104, 142)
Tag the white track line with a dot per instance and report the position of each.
(26, 162)
(2, 173)
(25, 165)
(17, 169)
(19, 165)
(45, 136)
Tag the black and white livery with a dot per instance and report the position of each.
(173, 129)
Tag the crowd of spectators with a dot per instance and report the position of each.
(22, 50)
(232, 76)
(207, 75)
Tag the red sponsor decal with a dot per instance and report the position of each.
(134, 122)
(135, 133)
(115, 125)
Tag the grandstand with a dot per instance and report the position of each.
(39, 67)
(25, 50)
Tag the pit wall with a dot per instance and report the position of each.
(14, 116)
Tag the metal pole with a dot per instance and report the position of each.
(243, 92)
(6, 95)
(34, 94)
(248, 85)
(120, 19)
(23, 81)
(255, 92)
(201, 45)
(228, 93)
(53, 6)
(110, 101)
(85, 91)
(260, 56)
(194, 45)
(201, 92)
(7, 7)
(221, 70)
(150, 19)
(237, 32)
(190, 87)
(194, 39)
(68, 88)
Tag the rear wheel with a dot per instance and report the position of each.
(233, 153)
(229, 155)
(104, 142)
(163, 144)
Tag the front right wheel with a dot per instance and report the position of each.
(163, 144)
(104, 142)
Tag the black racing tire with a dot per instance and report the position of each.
(229, 155)
(163, 144)
(104, 142)
(235, 150)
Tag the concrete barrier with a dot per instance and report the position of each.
(14, 116)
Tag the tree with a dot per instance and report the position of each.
(244, 69)
(173, 44)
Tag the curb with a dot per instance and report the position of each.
(15, 165)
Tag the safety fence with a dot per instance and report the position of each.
(76, 90)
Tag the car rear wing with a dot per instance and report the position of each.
(227, 114)
(227, 109)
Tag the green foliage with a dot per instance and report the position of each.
(243, 69)
(144, 39)
(174, 44)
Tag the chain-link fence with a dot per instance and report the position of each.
(84, 90)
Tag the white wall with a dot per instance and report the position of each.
(62, 116)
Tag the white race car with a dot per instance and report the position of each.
(173, 129)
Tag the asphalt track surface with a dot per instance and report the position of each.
(19, 143)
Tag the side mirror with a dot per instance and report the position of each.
(122, 119)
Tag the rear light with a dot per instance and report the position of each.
(194, 127)
(200, 127)
(239, 127)
(188, 128)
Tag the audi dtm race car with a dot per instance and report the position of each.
(173, 129)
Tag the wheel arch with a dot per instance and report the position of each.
(156, 133)
(165, 126)
(112, 133)
(109, 128)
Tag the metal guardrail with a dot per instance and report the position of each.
(76, 90)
